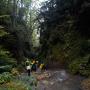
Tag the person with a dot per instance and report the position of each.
(33, 66)
(41, 67)
(37, 65)
(28, 67)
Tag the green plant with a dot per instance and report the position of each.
(5, 77)
(5, 68)
(74, 67)
(80, 66)
(85, 70)
(14, 86)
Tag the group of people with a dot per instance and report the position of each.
(33, 66)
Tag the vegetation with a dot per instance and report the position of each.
(5, 77)
(16, 27)
(61, 26)
(14, 86)
(65, 34)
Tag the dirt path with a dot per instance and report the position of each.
(54, 80)
(59, 80)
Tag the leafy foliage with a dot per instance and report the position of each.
(5, 68)
(64, 31)
(5, 77)
(15, 18)
(14, 86)
(5, 57)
